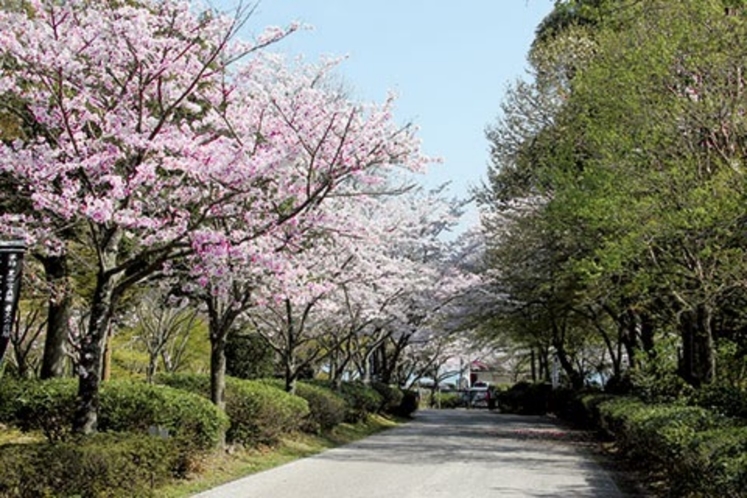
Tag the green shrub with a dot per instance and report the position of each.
(695, 448)
(409, 404)
(259, 413)
(446, 400)
(391, 397)
(249, 356)
(661, 433)
(326, 408)
(125, 406)
(659, 387)
(715, 464)
(47, 406)
(726, 400)
(10, 392)
(104, 465)
(526, 399)
(360, 399)
(136, 406)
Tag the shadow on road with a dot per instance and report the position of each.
(511, 444)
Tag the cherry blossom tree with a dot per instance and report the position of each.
(164, 148)
(310, 143)
(132, 148)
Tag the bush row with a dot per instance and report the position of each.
(104, 465)
(326, 408)
(699, 443)
(700, 452)
(125, 406)
(362, 400)
(259, 413)
(152, 433)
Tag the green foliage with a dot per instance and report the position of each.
(659, 386)
(249, 356)
(326, 408)
(391, 396)
(526, 398)
(138, 406)
(726, 400)
(360, 399)
(445, 400)
(47, 406)
(104, 465)
(10, 392)
(617, 188)
(125, 406)
(699, 452)
(258, 413)
(409, 404)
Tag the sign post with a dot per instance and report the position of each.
(11, 264)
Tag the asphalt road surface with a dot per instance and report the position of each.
(447, 453)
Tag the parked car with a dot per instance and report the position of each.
(481, 395)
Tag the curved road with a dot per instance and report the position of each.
(447, 453)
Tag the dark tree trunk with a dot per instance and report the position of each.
(534, 365)
(577, 381)
(629, 336)
(58, 316)
(92, 356)
(218, 369)
(290, 376)
(698, 365)
(647, 336)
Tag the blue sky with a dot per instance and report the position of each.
(449, 62)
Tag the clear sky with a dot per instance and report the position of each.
(449, 62)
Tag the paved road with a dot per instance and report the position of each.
(448, 453)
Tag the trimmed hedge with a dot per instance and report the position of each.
(697, 447)
(103, 465)
(446, 400)
(259, 413)
(326, 408)
(729, 401)
(526, 399)
(48, 406)
(361, 400)
(125, 406)
(701, 453)
(409, 404)
(391, 397)
(10, 391)
(137, 406)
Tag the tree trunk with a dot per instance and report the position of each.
(534, 365)
(106, 368)
(558, 342)
(290, 375)
(92, 356)
(647, 336)
(698, 366)
(629, 336)
(366, 367)
(58, 316)
(218, 369)
(577, 381)
(150, 372)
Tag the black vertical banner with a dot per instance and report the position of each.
(11, 264)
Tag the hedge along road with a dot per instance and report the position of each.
(449, 453)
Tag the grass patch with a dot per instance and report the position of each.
(221, 467)
(12, 435)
